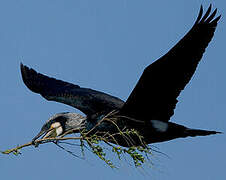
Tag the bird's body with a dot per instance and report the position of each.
(148, 108)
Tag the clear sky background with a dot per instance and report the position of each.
(105, 45)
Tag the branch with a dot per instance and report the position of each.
(40, 141)
(93, 137)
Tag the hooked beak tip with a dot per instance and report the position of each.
(37, 136)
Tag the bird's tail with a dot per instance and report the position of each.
(198, 132)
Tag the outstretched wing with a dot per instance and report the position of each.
(155, 95)
(87, 100)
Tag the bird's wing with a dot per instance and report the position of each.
(155, 95)
(87, 100)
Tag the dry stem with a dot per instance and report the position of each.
(39, 141)
(94, 139)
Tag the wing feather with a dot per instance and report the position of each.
(155, 95)
(87, 100)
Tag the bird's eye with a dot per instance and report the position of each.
(46, 127)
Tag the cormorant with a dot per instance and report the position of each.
(148, 108)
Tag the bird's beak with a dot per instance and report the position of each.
(48, 133)
(38, 135)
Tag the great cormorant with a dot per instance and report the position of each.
(150, 105)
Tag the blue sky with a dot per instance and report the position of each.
(105, 45)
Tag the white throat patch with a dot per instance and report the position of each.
(58, 127)
(159, 125)
(55, 130)
(55, 125)
(59, 130)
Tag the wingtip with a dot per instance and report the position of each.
(23, 70)
(28, 75)
(21, 65)
(210, 7)
(199, 15)
(208, 17)
(218, 18)
(206, 14)
(201, 8)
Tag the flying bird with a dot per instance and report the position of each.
(149, 107)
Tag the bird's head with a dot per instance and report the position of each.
(60, 124)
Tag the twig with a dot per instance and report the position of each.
(15, 150)
(93, 138)
(70, 152)
(40, 141)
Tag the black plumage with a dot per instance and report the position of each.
(86, 100)
(153, 100)
(155, 95)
